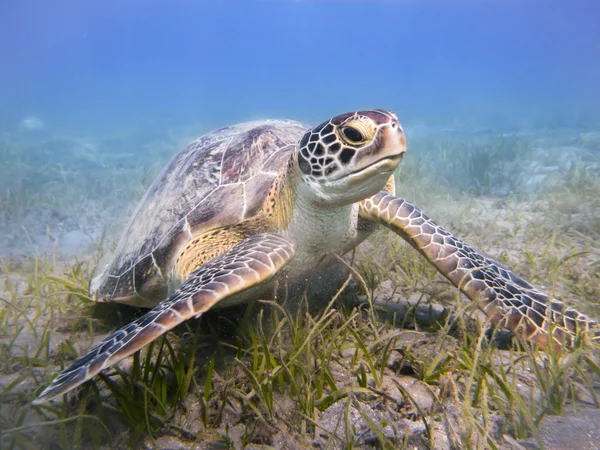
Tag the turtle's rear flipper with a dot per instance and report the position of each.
(507, 299)
(247, 264)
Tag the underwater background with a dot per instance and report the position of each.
(499, 99)
(120, 65)
(91, 91)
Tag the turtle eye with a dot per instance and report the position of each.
(351, 135)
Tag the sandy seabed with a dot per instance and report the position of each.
(529, 199)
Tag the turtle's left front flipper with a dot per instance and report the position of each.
(507, 299)
(247, 264)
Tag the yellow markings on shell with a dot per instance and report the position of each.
(277, 210)
(207, 246)
(274, 216)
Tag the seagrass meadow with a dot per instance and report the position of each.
(499, 102)
(397, 358)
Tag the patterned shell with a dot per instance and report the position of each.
(219, 179)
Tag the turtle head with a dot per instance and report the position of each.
(351, 156)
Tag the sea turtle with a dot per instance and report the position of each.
(260, 201)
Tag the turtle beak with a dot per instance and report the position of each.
(384, 154)
(384, 166)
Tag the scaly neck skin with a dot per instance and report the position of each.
(318, 228)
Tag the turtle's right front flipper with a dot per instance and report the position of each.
(507, 299)
(249, 263)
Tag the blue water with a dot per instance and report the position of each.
(98, 66)
(500, 100)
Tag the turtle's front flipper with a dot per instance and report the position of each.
(507, 299)
(247, 264)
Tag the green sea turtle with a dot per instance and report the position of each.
(260, 201)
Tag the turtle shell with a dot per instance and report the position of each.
(220, 179)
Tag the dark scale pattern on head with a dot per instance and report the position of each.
(323, 152)
(315, 145)
(329, 139)
(335, 147)
(327, 129)
(304, 140)
(346, 155)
